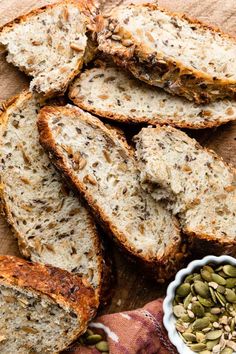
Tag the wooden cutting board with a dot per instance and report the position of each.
(132, 289)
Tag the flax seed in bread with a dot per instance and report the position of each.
(50, 44)
(181, 55)
(52, 225)
(113, 93)
(100, 164)
(197, 184)
(43, 308)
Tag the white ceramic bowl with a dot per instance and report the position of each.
(169, 318)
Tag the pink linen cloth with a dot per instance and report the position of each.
(139, 331)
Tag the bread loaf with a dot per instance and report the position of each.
(52, 225)
(181, 55)
(50, 44)
(113, 93)
(197, 184)
(43, 309)
(100, 164)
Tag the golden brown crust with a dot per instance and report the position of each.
(103, 270)
(68, 290)
(178, 79)
(153, 121)
(163, 267)
(157, 120)
(88, 8)
(202, 244)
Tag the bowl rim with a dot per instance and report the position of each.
(169, 318)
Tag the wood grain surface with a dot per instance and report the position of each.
(132, 289)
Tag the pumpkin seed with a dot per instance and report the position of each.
(190, 337)
(89, 332)
(206, 275)
(205, 302)
(183, 290)
(232, 325)
(200, 336)
(218, 269)
(93, 339)
(189, 278)
(179, 310)
(180, 327)
(186, 318)
(227, 351)
(218, 279)
(222, 274)
(198, 347)
(213, 296)
(230, 295)
(181, 336)
(220, 289)
(188, 300)
(193, 290)
(102, 346)
(212, 343)
(202, 289)
(230, 270)
(220, 298)
(212, 335)
(208, 268)
(212, 318)
(177, 299)
(201, 323)
(230, 283)
(197, 277)
(205, 307)
(198, 309)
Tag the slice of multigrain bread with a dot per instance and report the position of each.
(181, 55)
(99, 163)
(43, 309)
(198, 186)
(113, 93)
(52, 225)
(50, 43)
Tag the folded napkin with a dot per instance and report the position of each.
(133, 332)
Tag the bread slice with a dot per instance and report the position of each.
(43, 309)
(52, 225)
(50, 43)
(114, 94)
(99, 163)
(199, 187)
(181, 55)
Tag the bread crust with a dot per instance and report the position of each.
(167, 73)
(155, 120)
(64, 287)
(203, 243)
(67, 290)
(163, 267)
(88, 8)
(104, 268)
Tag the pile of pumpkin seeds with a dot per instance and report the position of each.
(205, 310)
(93, 340)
